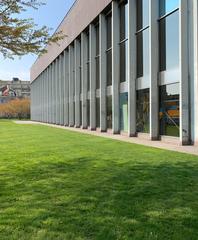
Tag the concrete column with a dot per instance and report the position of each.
(77, 83)
(66, 88)
(71, 86)
(103, 72)
(92, 52)
(116, 67)
(195, 23)
(84, 78)
(154, 69)
(132, 8)
(184, 73)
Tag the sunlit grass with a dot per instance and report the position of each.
(56, 184)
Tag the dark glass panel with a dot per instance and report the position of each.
(123, 21)
(142, 14)
(109, 68)
(88, 77)
(169, 110)
(97, 40)
(97, 112)
(109, 31)
(97, 72)
(143, 110)
(80, 113)
(88, 112)
(143, 53)
(124, 112)
(167, 6)
(169, 42)
(109, 112)
(123, 61)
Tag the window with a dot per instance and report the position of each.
(97, 112)
(142, 14)
(109, 112)
(97, 57)
(109, 49)
(80, 113)
(88, 63)
(169, 110)
(124, 112)
(143, 111)
(88, 112)
(169, 42)
(167, 6)
(123, 42)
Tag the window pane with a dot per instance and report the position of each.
(167, 6)
(109, 31)
(169, 42)
(142, 14)
(97, 72)
(143, 111)
(88, 77)
(124, 112)
(80, 113)
(123, 21)
(88, 112)
(109, 68)
(97, 40)
(143, 53)
(123, 61)
(109, 112)
(97, 112)
(169, 110)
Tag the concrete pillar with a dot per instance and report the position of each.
(66, 87)
(115, 67)
(103, 72)
(184, 73)
(77, 82)
(84, 78)
(132, 68)
(71, 86)
(154, 69)
(195, 23)
(92, 52)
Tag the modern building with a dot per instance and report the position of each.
(125, 67)
(15, 88)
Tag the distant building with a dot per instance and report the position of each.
(14, 89)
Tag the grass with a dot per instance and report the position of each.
(61, 185)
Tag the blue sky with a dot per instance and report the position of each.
(51, 15)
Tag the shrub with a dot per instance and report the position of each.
(17, 108)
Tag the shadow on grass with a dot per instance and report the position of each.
(86, 198)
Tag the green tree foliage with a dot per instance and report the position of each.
(22, 36)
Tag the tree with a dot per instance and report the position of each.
(22, 36)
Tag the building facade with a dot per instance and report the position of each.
(16, 88)
(128, 66)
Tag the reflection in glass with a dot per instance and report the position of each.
(169, 42)
(109, 112)
(97, 112)
(109, 68)
(143, 110)
(109, 30)
(97, 72)
(124, 112)
(124, 61)
(169, 110)
(167, 6)
(142, 14)
(143, 53)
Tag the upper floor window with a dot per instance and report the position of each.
(167, 6)
(142, 14)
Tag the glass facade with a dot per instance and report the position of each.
(143, 106)
(109, 49)
(124, 112)
(97, 112)
(123, 41)
(142, 14)
(97, 56)
(109, 112)
(169, 42)
(169, 110)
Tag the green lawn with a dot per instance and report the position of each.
(57, 184)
